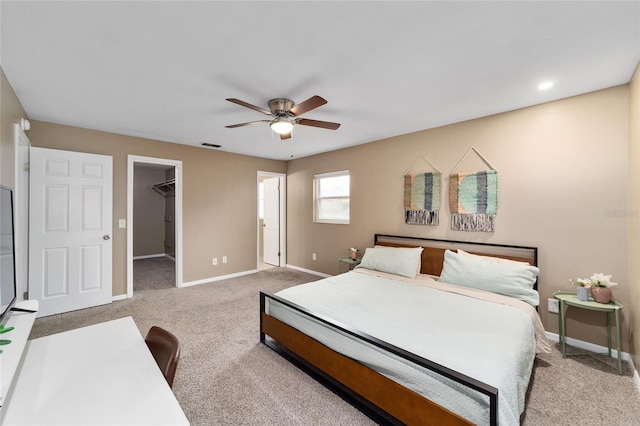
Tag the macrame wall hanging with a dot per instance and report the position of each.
(422, 196)
(473, 197)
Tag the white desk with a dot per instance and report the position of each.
(101, 375)
(12, 353)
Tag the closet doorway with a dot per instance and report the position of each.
(271, 220)
(154, 235)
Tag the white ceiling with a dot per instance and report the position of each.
(162, 70)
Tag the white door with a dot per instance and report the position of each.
(70, 230)
(271, 236)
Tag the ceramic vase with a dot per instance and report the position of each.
(601, 294)
(583, 293)
(353, 255)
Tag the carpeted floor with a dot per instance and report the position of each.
(155, 273)
(226, 377)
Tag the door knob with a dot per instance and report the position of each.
(106, 237)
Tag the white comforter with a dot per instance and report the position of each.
(488, 341)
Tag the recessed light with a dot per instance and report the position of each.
(211, 145)
(546, 85)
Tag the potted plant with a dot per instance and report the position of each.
(600, 286)
(354, 252)
(582, 288)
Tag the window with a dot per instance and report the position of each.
(331, 197)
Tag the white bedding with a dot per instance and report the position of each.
(488, 341)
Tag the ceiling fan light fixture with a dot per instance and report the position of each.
(281, 126)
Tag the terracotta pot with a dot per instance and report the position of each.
(601, 294)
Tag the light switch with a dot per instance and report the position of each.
(122, 223)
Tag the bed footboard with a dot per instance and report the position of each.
(370, 387)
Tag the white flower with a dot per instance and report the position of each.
(583, 282)
(353, 249)
(602, 280)
(596, 280)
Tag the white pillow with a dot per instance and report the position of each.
(493, 258)
(509, 279)
(418, 266)
(401, 261)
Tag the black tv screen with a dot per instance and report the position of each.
(8, 290)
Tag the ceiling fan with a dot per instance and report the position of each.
(285, 114)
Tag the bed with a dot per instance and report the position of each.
(401, 343)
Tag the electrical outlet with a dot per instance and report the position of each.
(313, 256)
(553, 306)
(224, 259)
(214, 261)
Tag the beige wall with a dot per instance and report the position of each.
(562, 186)
(633, 310)
(148, 212)
(11, 112)
(219, 197)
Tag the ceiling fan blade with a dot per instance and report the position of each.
(306, 106)
(285, 136)
(248, 105)
(318, 123)
(233, 126)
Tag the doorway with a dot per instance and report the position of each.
(271, 247)
(21, 209)
(154, 216)
(154, 227)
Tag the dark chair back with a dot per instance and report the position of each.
(165, 348)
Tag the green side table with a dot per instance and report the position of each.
(349, 261)
(571, 299)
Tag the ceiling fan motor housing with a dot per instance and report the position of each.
(280, 106)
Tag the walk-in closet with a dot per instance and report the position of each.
(153, 227)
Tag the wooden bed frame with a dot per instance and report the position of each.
(377, 396)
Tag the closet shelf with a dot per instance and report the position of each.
(165, 188)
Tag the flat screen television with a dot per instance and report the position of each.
(8, 287)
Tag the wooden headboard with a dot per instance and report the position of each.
(433, 250)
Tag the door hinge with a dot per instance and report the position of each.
(25, 295)
(278, 254)
(26, 167)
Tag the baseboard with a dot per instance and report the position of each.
(591, 347)
(197, 282)
(149, 256)
(152, 256)
(119, 297)
(308, 271)
(219, 278)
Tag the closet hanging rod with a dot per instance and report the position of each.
(164, 187)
